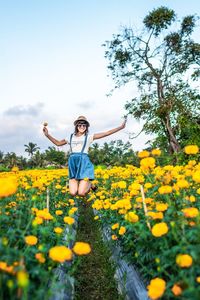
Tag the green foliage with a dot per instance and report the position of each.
(114, 153)
(163, 69)
(54, 156)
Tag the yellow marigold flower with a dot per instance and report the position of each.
(156, 288)
(58, 186)
(122, 184)
(72, 211)
(161, 206)
(198, 279)
(22, 279)
(148, 162)
(155, 215)
(69, 220)
(31, 240)
(122, 230)
(148, 185)
(58, 230)
(37, 221)
(60, 254)
(143, 154)
(96, 218)
(159, 229)
(81, 248)
(131, 217)
(184, 260)
(15, 169)
(191, 149)
(40, 257)
(156, 152)
(8, 186)
(190, 212)
(182, 184)
(196, 176)
(176, 290)
(59, 212)
(114, 237)
(165, 189)
(44, 214)
(115, 226)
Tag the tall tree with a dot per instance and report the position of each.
(164, 62)
(31, 148)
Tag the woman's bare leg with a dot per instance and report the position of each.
(83, 188)
(73, 187)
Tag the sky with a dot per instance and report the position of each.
(53, 69)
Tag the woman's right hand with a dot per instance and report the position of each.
(45, 130)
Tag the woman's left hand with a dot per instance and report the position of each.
(124, 124)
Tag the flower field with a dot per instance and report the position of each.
(36, 219)
(152, 212)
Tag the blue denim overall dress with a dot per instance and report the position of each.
(79, 163)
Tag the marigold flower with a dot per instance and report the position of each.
(59, 212)
(198, 279)
(115, 226)
(31, 240)
(176, 290)
(183, 184)
(159, 229)
(60, 254)
(122, 230)
(131, 217)
(40, 257)
(184, 260)
(69, 220)
(156, 152)
(8, 186)
(143, 154)
(156, 288)
(165, 189)
(191, 149)
(196, 176)
(81, 248)
(58, 230)
(114, 237)
(190, 212)
(148, 162)
(161, 206)
(22, 279)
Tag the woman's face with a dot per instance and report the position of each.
(81, 127)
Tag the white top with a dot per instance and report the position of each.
(78, 141)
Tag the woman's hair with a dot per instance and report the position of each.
(76, 128)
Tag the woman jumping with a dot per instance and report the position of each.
(79, 164)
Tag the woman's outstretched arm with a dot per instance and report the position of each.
(109, 132)
(52, 139)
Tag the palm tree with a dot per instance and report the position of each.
(31, 148)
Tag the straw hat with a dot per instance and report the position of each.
(81, 118)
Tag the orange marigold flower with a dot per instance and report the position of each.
(190, 212)
(191, 149)
(122, 230)
(8, 186)
(159, 229)
(156, 288)
(115, 226)
(184, 260)
(69, 220)
(59, 212)
(165, 189)
(143, 154)
(81, 248)
(176, 290)
(40, 257)
(161, 206)
(60, 254)
(31, 240)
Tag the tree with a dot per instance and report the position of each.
(31, 148)
(164, 61)
(56, 157)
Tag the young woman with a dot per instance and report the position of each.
(79, 164)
